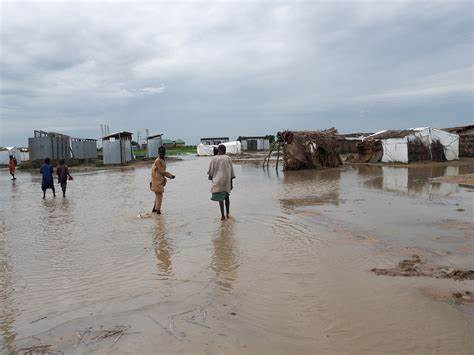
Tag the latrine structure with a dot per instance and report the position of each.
(117, 148)
(153, 143)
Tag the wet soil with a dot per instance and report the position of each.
(416, 267)
(289, 272)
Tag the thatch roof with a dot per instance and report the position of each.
(309, 149)
(460, 129)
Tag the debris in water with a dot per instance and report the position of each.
(37, 349)
(416, 267)
(37, 320)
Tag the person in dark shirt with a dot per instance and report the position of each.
(47, 181)
(63, 175)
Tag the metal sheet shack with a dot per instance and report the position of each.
(83, 148)
(49, 145)
(255, 143)
(214, 140)
(152, 144)
(117, 148)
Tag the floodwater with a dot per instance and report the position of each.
(288, 273)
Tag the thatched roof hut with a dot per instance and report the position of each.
(309, 149)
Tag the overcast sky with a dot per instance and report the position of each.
(242, 68)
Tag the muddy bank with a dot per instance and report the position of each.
(417, 267)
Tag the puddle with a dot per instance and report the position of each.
(289, 272)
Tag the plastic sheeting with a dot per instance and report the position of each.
(208, 150)
(396, 149)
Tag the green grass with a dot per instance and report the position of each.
(140, 153)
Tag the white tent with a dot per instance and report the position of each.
(395, 149)
(208, 150)
(5, 155)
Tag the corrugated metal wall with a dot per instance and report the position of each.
(116, 153)
(53, 147)
(152, 146)
(83, 149)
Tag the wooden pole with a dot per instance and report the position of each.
(278, 157)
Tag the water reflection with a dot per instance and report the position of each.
(311, 187)
(7, 311)
(163, 249)
(414, 181)
(224, 260)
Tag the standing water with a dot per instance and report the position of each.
(289, 272)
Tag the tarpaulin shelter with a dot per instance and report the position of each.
(412, 144)
(208, 150)
(466, 139)
(6, 152)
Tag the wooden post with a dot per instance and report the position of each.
(278, 157)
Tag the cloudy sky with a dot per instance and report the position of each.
(193, 69)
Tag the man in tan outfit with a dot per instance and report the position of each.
(158, 179)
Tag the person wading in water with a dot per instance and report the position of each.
(11, 166)
(221, 173)
(47, 181)
(158, 179)
(63, 175)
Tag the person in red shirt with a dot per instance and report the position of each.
(12, 166)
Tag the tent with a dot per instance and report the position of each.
(208, 149)
(401, 145)
(5, 155)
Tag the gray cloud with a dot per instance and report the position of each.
(196, 69)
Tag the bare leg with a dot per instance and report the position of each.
(227, 206)
(221, 206)
(158, 202)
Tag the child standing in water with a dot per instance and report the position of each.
(12, 166)
(158, 179)
(47, 181)
(221, 172)
(63, 175)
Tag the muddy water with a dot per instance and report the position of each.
(288, 273)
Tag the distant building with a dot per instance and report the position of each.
(152, 144)
(49, 145)
(6, 152)
(255, 143)
(179, 143)
(25, 154)
(117, 148)
(169, 143)
(214, 140)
